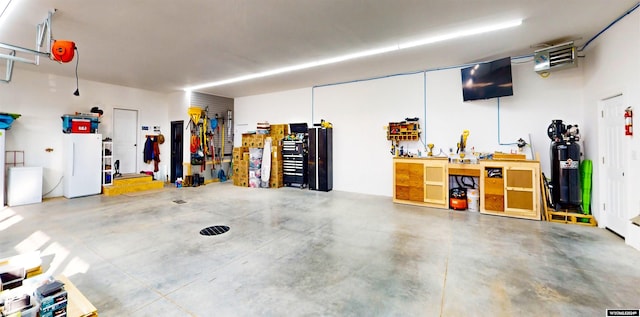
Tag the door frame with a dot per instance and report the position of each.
(113, 125)
(177, 151)
(603, 197)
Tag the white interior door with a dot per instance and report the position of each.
(125, 139)
(613, 154)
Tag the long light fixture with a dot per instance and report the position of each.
(377, 51)
(4, 4)
(5, 8)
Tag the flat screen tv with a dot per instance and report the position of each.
(487, 80)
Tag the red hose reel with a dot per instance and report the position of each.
(63, 51)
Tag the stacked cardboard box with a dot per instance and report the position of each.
(238, 151)
(278, 132)
(276, 179)
(241, 166)
(240, 155)
(253, 140)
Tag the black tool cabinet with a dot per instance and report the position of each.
(320, 158)
(294, 157)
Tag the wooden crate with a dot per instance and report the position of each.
(571, 217)
(564, 216)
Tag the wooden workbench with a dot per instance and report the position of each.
(425, 182)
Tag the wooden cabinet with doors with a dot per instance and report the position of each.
(408, 181)
(510, 188)
(421, 182)
(436, 183)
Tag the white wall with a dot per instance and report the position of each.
(613, 67)
(178, 105)
(43, 98)
(536, 101)
(292, 106)
(359, 111)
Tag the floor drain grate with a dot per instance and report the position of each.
(214, 230)
(179, 201)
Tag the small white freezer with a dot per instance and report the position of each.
(24, 186)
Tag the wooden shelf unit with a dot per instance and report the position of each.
(403, 131)
(107, 163)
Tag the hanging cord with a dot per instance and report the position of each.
(608, 26)
(54, 187)
(457, 178)
(460, 180)
(473, 182)
(77, 92)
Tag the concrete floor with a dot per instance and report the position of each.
(293, 252)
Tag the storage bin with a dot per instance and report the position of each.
(473, 200)
(69, 122)
(5, 121)
(80, 126)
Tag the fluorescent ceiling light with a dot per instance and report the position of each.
(382, 50)
(4, 4)
(463, 33)
(5, 8)
(297, 67)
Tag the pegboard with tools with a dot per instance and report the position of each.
(407, 130)
(212, 137)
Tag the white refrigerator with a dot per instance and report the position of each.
(82, 164)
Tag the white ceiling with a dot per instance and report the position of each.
(167, 45)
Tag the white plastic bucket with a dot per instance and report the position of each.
(473, 200)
